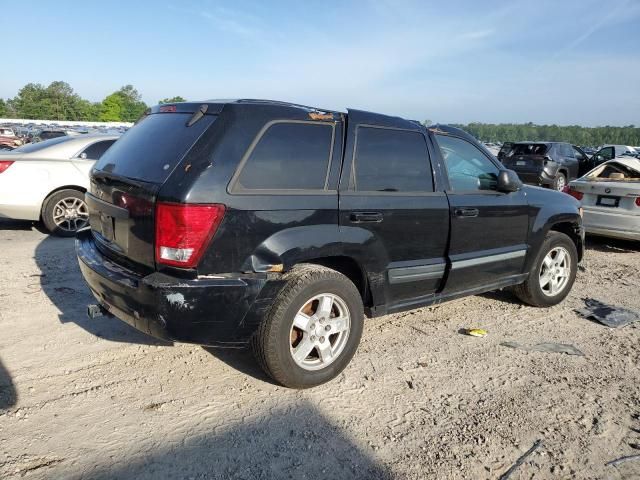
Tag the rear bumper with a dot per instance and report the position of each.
(611, 224)
(218, 311)
(536, 177)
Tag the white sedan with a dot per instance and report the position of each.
(610, 197)
(46, 181)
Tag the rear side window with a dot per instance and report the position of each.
(152, 148)
(289, 156)
(389, 160)
(96, 150)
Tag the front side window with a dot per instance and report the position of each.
(606, 153)
(289, 156)
(390, 160)
(468, 168)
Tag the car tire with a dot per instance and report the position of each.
(296, 323)
(550, 280)
(560, 181)
(55, 205)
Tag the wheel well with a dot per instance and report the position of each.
(572, 231)
(56, 190)
(350, 269)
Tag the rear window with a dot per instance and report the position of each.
(153, 148)
(529, 149)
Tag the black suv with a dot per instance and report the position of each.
(236, 222)
(550, 164)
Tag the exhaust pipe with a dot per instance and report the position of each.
(95, 311)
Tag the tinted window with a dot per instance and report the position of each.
(289, 156)
(392, 161)
(153, 147)
(468, 167)
(95, 151)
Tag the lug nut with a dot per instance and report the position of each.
(321, 339)
(313, 338)
(313, 326)
(327, 327)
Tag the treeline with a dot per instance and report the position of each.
(588, 136)
(58, 101)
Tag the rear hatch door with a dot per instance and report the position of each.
(527, 157)
(125, 182)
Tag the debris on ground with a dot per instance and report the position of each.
(474, 332)
(545, 347)
(614, 317)
(521, 460)
(620, 460)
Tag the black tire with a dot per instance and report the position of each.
(272, 341)
(531, 292)
(49, 206)
(560, 181)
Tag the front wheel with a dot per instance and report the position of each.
(553, 273)
(313, 328)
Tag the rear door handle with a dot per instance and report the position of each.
(366, 217)
(466, 212)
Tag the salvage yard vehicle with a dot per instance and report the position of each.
(228, 223)
(46, 181)
(549, 164)
(610, 197)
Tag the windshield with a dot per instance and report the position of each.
(529, 149)
(36, 147)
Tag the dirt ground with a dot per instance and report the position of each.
(95, 399)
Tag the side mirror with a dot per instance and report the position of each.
(508, 181)
(83, 156)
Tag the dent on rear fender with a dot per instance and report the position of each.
(295, 245)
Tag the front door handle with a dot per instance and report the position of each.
(366, 217)
(466, 212)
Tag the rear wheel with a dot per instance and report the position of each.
(553, 273)
(65, 212)
(560, 181)
(313, 329)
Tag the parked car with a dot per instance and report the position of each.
(549, 164)
(610, 197)
(47, 180)
(224, 223)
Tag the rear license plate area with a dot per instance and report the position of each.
(521, 163)
(608, 201)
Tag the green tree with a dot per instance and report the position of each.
(177, 99)
(112, 108)
(132, 105)
(3, 108)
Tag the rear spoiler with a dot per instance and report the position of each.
(187, 107)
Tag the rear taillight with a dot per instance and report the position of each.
(573, 192)
(183, 232)
(637, 201)
(4, 164)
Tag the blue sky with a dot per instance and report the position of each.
(545, 61)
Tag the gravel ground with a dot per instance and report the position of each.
(95, 399)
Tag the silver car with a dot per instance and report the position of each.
(47, 180)
(610, 197)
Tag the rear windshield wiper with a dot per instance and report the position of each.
(198, 114)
